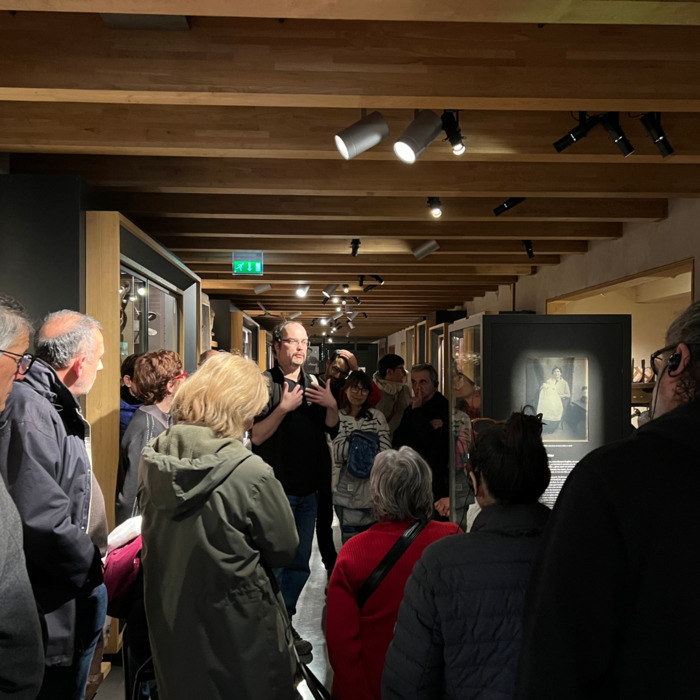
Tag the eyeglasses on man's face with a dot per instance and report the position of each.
(657, 358)
(357, 389)
(294, 341)
(24, 362)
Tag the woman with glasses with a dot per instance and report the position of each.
(460, 623)
(362, 432)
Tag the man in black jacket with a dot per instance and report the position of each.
(290, 435)
(46, 464)
(425, 428)
(613, 609)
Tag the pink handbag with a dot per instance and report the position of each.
(121, 571)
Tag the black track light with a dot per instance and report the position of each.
(325, 301)
(370, 287)
(378, 279)
(355, 244)
(508, 204)
(528, 249)
(435, 206)
(611, 122)
(652, 123)
(585, 124)
(346, 288)
(313, 322)
(361, 281)
(450, 123)
(365, 315)
(357, 300)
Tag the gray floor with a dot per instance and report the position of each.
(308, 622)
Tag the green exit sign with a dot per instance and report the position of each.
(248, 262)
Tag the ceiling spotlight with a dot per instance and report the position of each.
(370, 287)
(338, 308)
(362, 135)
(508, 204)
(296, 314)
(347, 335)
(357, 300)
(652, 123)
(355, 244)
(333, 330)
(346, 288)
(325, 301)
(378, 279)
(435, 206)
(351, 325)
(337, 316)
(421, 132)
(361, 279)
(611, 122)
(328, 291)
(324, 321)
(335, 300)
(344, 301)
(528, 249)
(450, 123)
(353, 315)
(303, 290)
(324, 333)
(262, 288)
(364, 314)
(424, 249)
(330, 340)
(585, 124)
(313, 321)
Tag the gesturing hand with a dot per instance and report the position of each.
(321, 395)
(291, 398)
(436, 424)
(442, 506)
(350, 359)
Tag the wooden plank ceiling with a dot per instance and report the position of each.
(220, 137)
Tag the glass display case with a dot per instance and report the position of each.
(148, 315)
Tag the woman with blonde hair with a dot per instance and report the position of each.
(215, 521)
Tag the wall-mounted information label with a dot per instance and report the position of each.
(247, 262)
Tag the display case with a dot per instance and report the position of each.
(574, 370)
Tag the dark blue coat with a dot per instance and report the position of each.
(459, 627)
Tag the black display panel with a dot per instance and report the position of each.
(572, 369)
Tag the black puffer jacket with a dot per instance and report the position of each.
(459, 626)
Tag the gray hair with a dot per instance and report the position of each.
(686, 329)
(401, 485)
(77, 338)
(13, 321)
(426, 367)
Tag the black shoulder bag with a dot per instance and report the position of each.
(390, 558)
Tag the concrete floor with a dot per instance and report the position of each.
(309, 622)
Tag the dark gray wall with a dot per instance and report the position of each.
(222, 322)
(42, 238)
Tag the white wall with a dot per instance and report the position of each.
(642, 247)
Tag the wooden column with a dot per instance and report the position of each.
(102, 303)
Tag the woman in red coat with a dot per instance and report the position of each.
(358, 639)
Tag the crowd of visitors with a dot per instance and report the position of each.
(228, 473)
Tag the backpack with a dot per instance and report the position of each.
(362, 450)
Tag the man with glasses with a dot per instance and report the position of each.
(44, 457)
(22, 655)
(613, 609)
(290, 435)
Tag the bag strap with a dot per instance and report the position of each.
(390, 558)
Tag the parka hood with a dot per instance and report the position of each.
(183, 465)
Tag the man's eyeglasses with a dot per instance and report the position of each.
(357, 389)
(24, 362)
(293, 341)
(657, 358)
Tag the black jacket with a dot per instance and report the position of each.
(614, 610)
(459, 626)
(47, 471)
(433, 444)
(298, 450)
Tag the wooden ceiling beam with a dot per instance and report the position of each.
(242, 176)
(258, 132)
(200, 231)
(318, 280)
(373, 64)
(371, 246)
(539, 11)
(248, 208)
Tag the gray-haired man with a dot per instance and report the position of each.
(44, 458)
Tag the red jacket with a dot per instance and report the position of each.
(358, 641)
